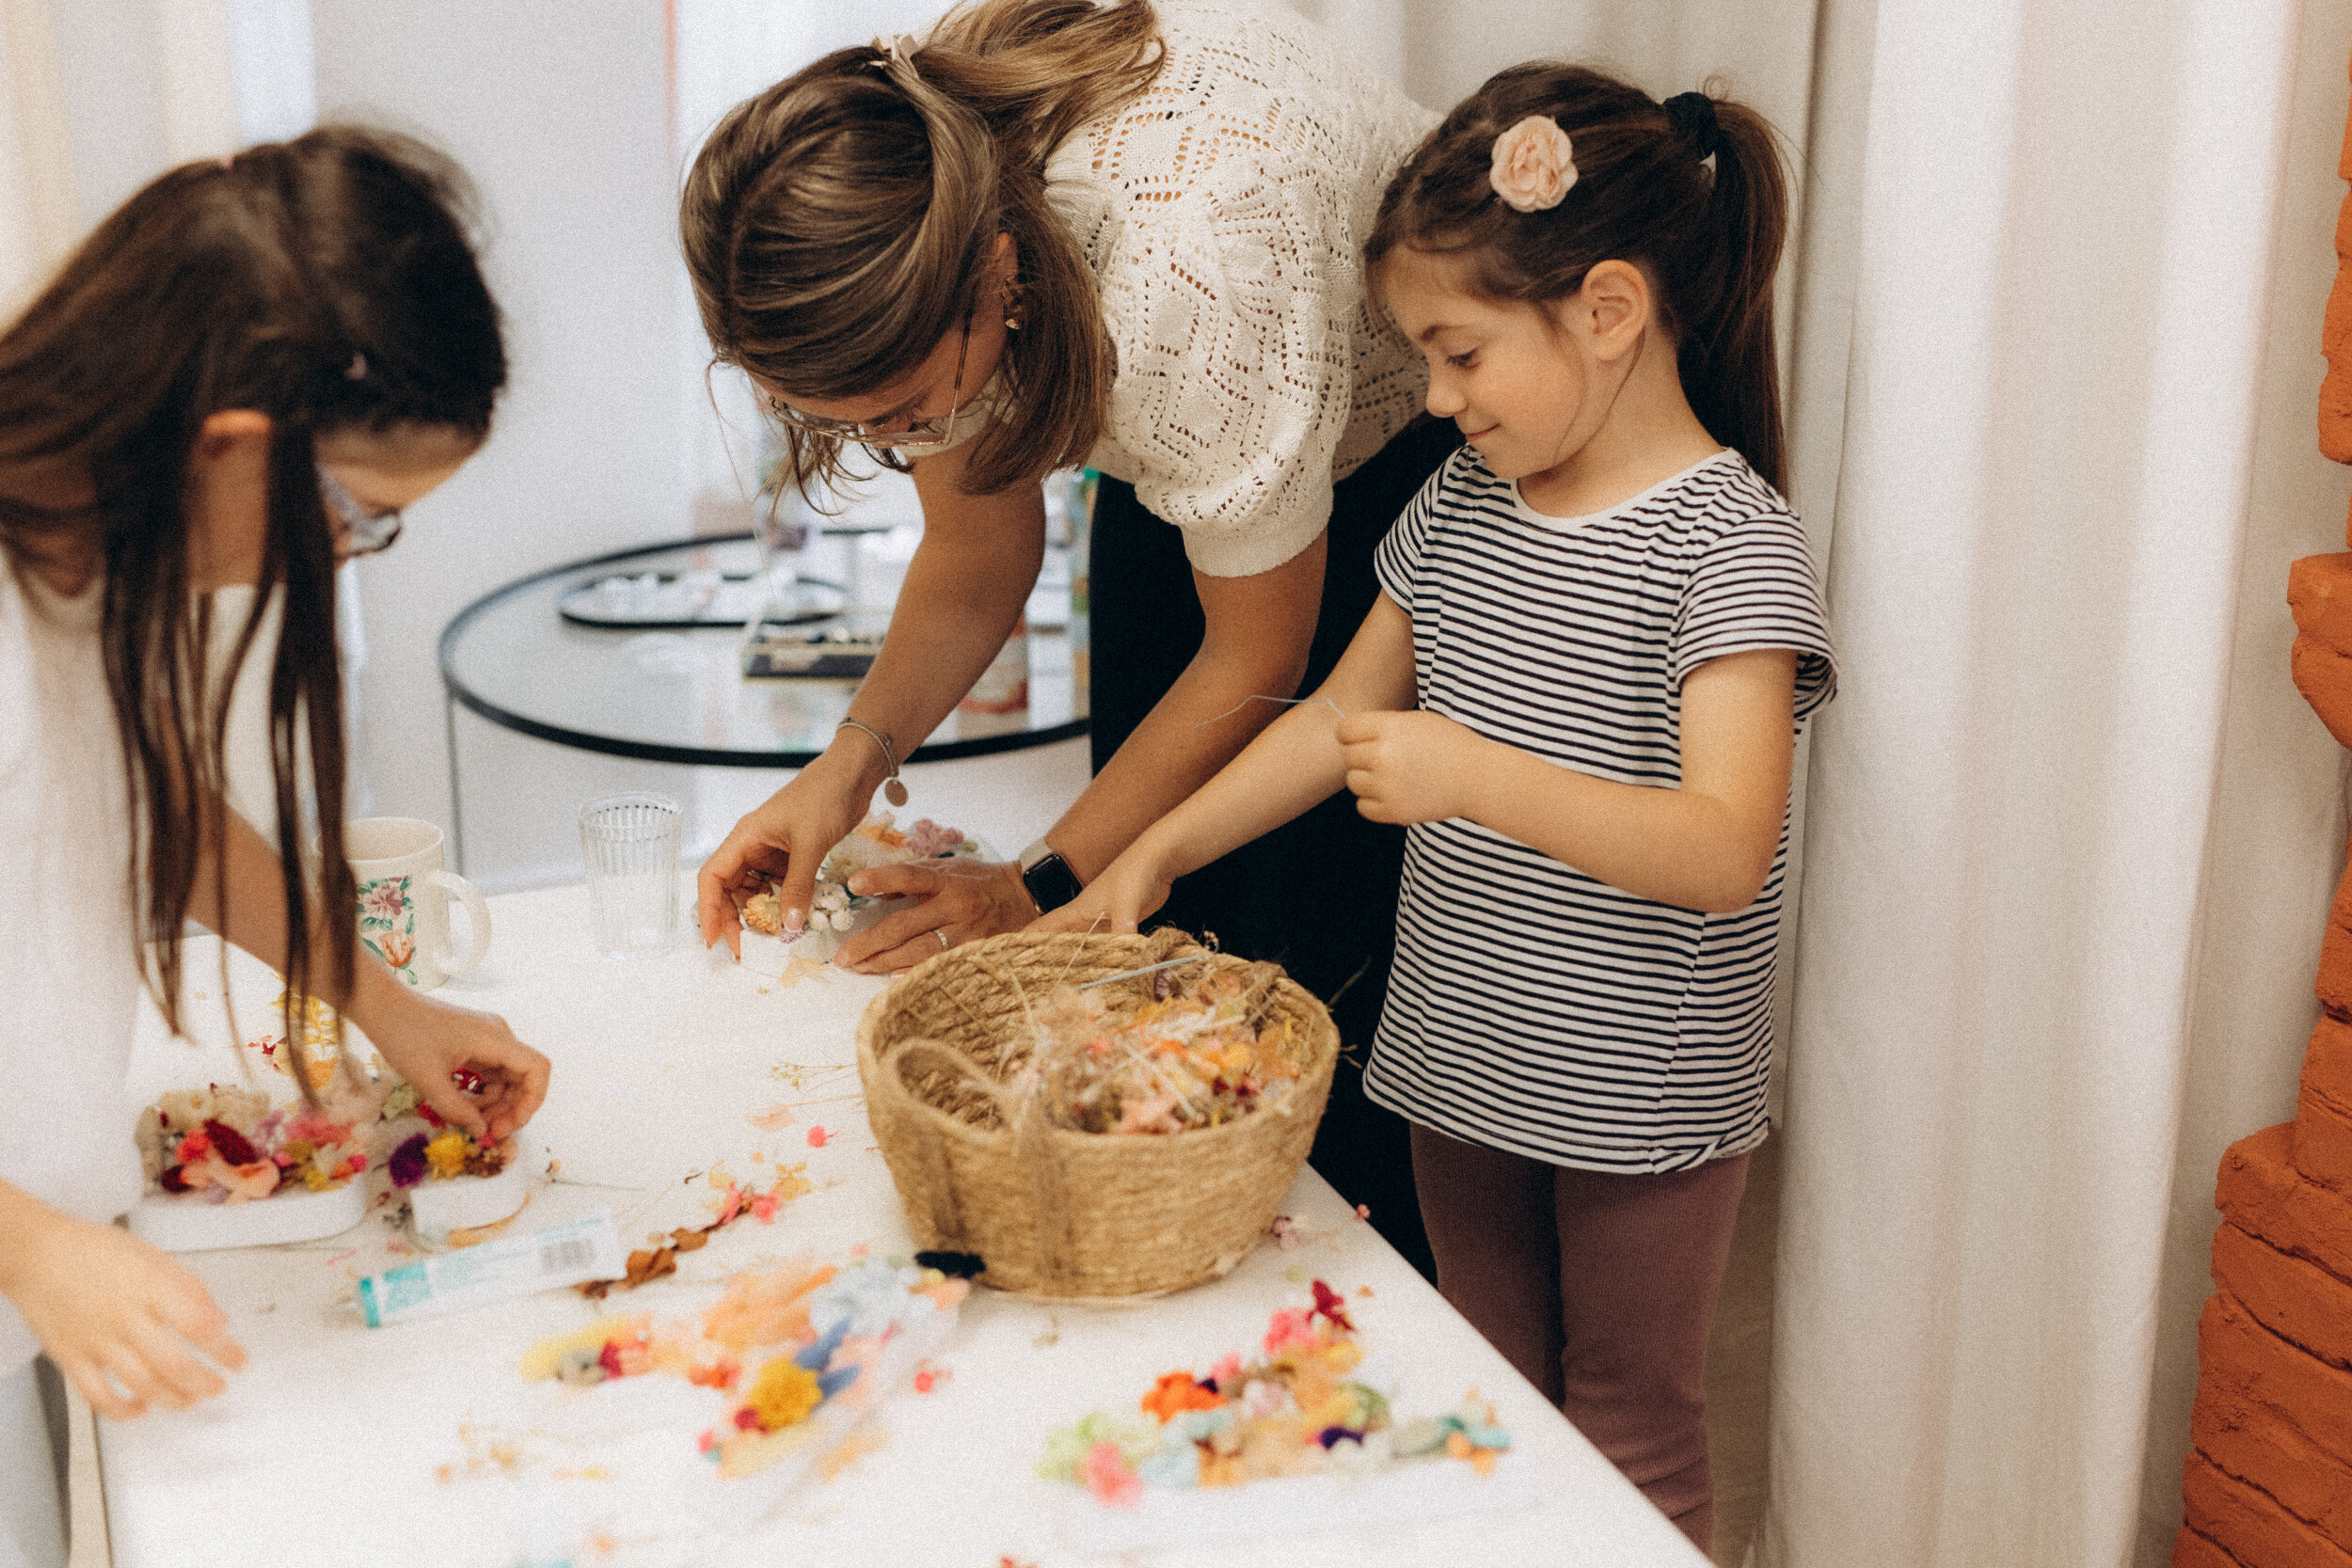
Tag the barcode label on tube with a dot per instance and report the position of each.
(497, 1269)
(569, 1255)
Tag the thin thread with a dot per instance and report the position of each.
(1259, 697)
(1148, 969)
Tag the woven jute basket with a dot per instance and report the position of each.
(1056, 1214)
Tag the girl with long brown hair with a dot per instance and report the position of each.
(244, 375)
(1581, 687)
(1047, 233)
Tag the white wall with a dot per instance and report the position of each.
(560, 111)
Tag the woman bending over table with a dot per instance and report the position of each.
(1049, 233)
(243, 377)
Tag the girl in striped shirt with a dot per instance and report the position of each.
(1579, 688)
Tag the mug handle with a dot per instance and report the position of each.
(447, 962)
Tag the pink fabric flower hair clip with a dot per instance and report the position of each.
(1534, 164)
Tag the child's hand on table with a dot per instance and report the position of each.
(425, 1042)
(1412, 767)
(116, 1315)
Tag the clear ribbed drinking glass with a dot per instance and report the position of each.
(632, 845)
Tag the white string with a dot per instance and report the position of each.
(1257, 697)
(1149, 969)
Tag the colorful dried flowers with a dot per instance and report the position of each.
(875, 841)
(230, 1146)
(829, 1326)
(445, 1154)
(1297, 1412)
(1181, 1055)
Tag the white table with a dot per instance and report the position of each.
(346, 1445)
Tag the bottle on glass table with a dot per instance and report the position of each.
(784, 525)
(1004, 686)
(630, 843)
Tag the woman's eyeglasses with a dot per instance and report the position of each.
(357, 530)
(916, 436)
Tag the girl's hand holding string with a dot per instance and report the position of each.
(1412, 767)
(121, 1320)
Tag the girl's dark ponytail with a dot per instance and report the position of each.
(1730, 363)
(1692, 190)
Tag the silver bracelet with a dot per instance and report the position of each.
(893, 791)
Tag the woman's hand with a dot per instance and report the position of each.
(1132, 887)
(1412, 767)
(957, 901)
(116, 1315)
(426, 1041)
(784, 839)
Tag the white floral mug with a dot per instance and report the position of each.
(404, 899)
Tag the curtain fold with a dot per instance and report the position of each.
(39, 212)
(2065, 220)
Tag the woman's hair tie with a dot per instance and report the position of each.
(1691, 116)
(898, 49)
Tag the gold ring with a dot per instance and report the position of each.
(941, 933)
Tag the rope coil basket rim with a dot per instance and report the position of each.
(1146, 1213)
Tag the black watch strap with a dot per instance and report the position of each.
(1050, 882)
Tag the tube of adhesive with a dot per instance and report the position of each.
(495, 1270)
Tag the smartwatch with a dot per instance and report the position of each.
(1048, 877)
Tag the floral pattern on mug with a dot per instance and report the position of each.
(383, 902)
(395, 948)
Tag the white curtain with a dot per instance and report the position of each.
(2068, 832)
(2045, 356)
(39, 219)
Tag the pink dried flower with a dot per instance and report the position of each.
(1290, 1327)
(927, 839)
(1109, 1477)
(1534, 164)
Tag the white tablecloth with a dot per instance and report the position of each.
(346, 1445)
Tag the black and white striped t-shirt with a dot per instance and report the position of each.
(1532, 1009)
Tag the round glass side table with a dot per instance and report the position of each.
(679, 695)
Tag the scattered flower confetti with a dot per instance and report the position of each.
(735, 1201)
(818, 1136)
(1299, 1410)
(774, 1119)
(783, 1345)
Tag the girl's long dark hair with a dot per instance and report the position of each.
(330, 283)
(1698, 199)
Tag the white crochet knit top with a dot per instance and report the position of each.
(1224, 212)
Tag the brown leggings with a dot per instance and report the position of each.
(1599, 1288)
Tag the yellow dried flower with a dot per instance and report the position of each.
(447, 1153)
(783, 1394)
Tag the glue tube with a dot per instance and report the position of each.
(495, 1270)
